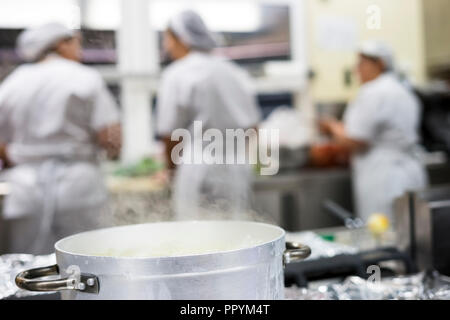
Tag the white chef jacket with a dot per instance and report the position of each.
(50, 113)
(206, 88)
(53, 109)
(386, 116)
(203, 87)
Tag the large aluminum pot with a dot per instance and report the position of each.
(170, 260)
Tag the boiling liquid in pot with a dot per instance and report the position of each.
(176, 248)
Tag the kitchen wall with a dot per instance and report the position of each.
(437, 29)
(335, 27)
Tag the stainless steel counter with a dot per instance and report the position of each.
(294, 199)
(3, 192)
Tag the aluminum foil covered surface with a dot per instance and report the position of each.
(12, 264)
(422, 286)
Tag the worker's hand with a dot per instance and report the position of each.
(4, 160)
(328, 125)
(336, 129)
(110, 139)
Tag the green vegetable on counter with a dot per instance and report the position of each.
(147, 166)
(328, 237)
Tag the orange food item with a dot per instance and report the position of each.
(328, 155)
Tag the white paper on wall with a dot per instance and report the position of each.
(336, 33)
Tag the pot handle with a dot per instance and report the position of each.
(295, 252)
(26, 280)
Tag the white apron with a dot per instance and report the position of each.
(212, 191)
(382, 175)
(52, 200)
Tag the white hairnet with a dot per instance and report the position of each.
(33, 42)
(189, 27)
(380, 50)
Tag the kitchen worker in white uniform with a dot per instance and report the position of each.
(199, 86)
(381, 130)
(55, 117)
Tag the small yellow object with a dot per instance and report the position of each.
(378, 224)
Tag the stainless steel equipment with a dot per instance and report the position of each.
(294, 200)
(3, 228)
(293, 158)
(170, 260)
(348, 218)
(422, 222)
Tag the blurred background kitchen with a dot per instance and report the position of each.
(302, 57)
